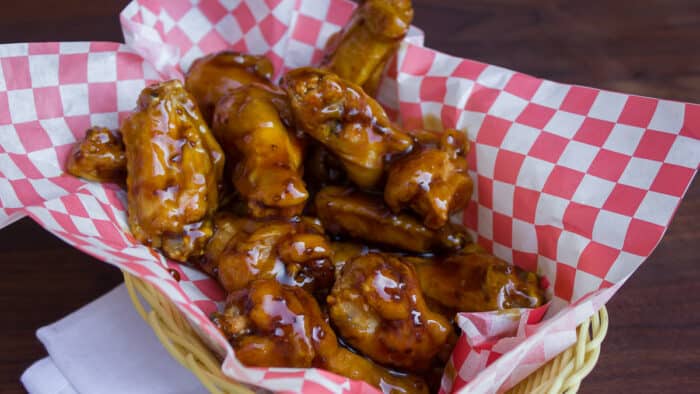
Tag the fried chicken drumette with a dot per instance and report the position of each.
(360, 52)
(432, 180)
(213, 76)
(99, 157)
(253, 125)
(378, 308)
(345, 211)
(274, 325)
(478, 282)
(352, 125)
(295, 253)
(174, 169)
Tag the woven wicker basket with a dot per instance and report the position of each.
(561, 375)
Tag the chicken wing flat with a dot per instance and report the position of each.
(345, 211)
(369, 40)
(295, 253)
(174, 168)
(432, 180)
(274, 325)
(213, 76)
(99, 156)
(347, 121)
(478, 282)
(249, 123)
(378, 308)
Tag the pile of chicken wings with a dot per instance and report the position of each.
(327, 224)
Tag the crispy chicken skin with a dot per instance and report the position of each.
(478, 282)
(174, 168)
(274, 325)
(347, 121)
(252, 124)
(367, 42)
(378, 308)
(213, 76)
(295, 253)
(99, 157)
(432, 180)
(345, 211)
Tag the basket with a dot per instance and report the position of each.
(563, 374)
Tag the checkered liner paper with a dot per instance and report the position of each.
(576, 183)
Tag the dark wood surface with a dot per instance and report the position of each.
(648, 47)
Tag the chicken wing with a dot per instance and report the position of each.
(213, 76)
(250, 125)
(478, 282)
(368, 41)
(295, 253)
(347, 121)
(344, 211)
(99, 156)
(273, 325)
(378, 308)
(174, 168)
(432, 180)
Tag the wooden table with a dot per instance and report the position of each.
(648, 47)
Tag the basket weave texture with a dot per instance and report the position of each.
(563, 374)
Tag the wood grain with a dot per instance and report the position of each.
(647, 47)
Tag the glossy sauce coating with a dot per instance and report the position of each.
(378, 308)
(345, 211)
(295, 253)
(478, 282)
(372, 36)
(99, 157)
(250, 124)
(174, 169)
(273, 325)
(432, 180)
(348, 122)
(213, 76)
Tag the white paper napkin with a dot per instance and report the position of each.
(106, 348)
(43, 377)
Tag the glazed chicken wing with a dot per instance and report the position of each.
(213, 76)
(295, 253)
(174, 168)
(432, 180)
(250, 124)
(378, 308)
(345, 211)
(478, 282)
(99, 156)
(347, 121)
(273, 325)
(371, 37)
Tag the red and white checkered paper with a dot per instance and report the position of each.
(576, 183)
